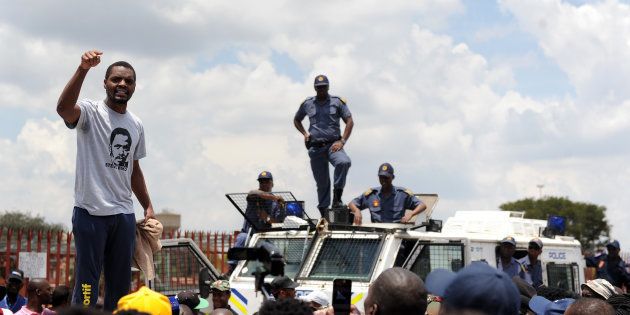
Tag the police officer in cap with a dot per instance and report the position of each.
(263, 208)
(612, 267)
(388, 202)
(324, 140)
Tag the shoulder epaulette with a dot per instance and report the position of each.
(369, 192)
(407, 191)
(306, 100)
(343, 100)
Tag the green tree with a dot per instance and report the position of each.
(21, 220)
(585, 221)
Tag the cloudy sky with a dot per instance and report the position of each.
(478, 101)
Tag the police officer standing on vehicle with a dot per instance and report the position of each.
(612, 268)
(324, 140)
(387, 203)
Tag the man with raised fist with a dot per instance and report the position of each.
(110, 142)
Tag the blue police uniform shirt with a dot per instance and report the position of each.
(387, 209)
(533, 272)
(613, 270)
(19, 302)
(255, 205)
(514, 268)
(323, 117)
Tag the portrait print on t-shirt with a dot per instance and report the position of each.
(119, 148)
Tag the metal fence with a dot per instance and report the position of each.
(58, 249)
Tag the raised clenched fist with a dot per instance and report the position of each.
(90, 59)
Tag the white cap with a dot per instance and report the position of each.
(6, 311)
(318, 297)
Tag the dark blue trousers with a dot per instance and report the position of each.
(102, 243)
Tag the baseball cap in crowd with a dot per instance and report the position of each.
(220, 285)
(386, 169)
(509, 240)
(537, 242)
(265, 175)
(541, 306)
(477, 287)
(192, 300)
(283, 282)
(321, 80)
(614, 244)
(16, 274)
(145, 300)
(318, 297)
(601, 287)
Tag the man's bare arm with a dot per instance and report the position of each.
(338, 145)
(139, 188)
(67, 106)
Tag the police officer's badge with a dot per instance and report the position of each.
(384, 167)
(320, 78)
(375, 203)
(263, 174)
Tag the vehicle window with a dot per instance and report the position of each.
(349, 258)
(176, 269)
(562, 276)
(293, 250)
(428, 257)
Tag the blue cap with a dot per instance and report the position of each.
(614, 244)
(477, 287)
(321, 80)
(509, 240)
(265, 175)
(386, 169)
(542, 306)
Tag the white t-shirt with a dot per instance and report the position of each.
(107, 145)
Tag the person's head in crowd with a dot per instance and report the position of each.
(396, 291)
(598, 288)
(221, 293)
(541, 306)
(192, 300)
(283, 287)
(526, 292)
(80, 310)
(476, 288)
(316, 300)
(613, 249)
(145, 300)
(590, 306)
(60, 297)
(285, 307)
(554, 293)
(621, 303)
(15, 281)
(221, 311)
(38, 292)
(534, 249)
(507, 248)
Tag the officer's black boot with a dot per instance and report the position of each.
(337, 192)
(323, 212)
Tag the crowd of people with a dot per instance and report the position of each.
(477, 289)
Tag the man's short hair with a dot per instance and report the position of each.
(123, 64)
(60, 295)
(588, 306)
(398, 291)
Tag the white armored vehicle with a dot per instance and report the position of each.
(316, 255)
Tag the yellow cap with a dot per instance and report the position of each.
(145, 300)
